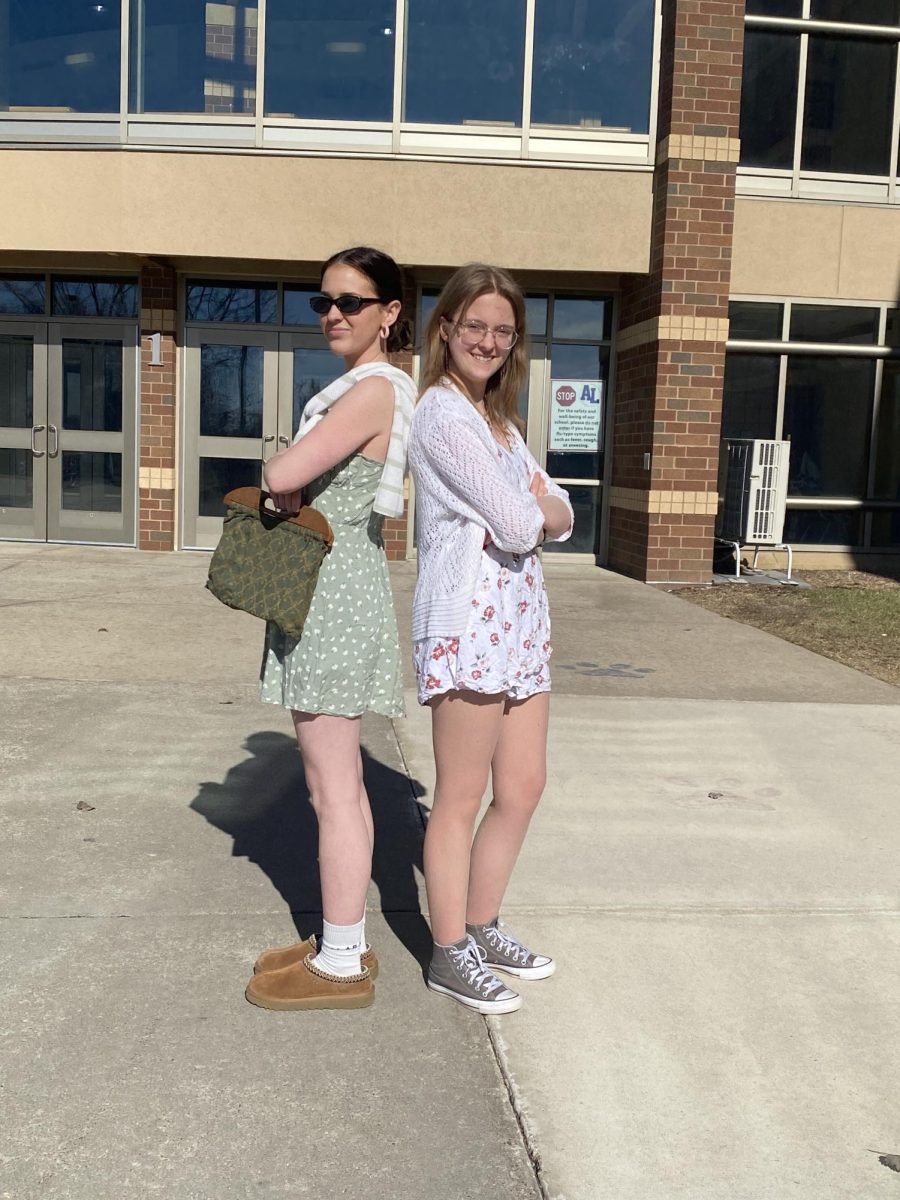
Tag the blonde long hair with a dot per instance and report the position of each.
(501, 394)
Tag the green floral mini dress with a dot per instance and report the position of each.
(348, 660)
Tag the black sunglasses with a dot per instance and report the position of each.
(346, 304)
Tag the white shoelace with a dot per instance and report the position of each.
(469, 961)
(506, 942)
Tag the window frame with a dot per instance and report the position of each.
(794, 181)
(866, 504)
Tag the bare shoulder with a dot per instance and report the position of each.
(374, 389)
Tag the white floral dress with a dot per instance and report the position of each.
(506, 645)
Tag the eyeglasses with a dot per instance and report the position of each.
(472, 333)
(346, 304)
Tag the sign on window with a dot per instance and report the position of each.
(576, 411)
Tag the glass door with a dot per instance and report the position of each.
(90, 438)
(305, 367)
(231, 389)
(23, 431)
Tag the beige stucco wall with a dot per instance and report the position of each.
(245, 206)
(817, 249)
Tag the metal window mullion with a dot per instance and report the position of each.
(834, 28)
(260, 70)
(400, 17)
(801, 109)
(527, 75)
(653, 123)
(873, 430)
(895, 133)
(779, 402)
(124, 69)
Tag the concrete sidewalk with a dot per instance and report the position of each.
(714, 865)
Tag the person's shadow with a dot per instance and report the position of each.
(263, 803)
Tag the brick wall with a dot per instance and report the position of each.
(674, 320)
(156, 476)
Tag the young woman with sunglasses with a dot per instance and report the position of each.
(481, 628)
(348, 461)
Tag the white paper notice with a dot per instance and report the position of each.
(576, 410)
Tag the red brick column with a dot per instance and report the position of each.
(674, 321)
(156, 475)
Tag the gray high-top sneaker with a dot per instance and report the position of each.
(503, 951)
(459, 971)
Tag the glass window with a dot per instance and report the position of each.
(775, 8)
(831, 323)
(827, 406)
(16, 382)
(578, 364)
(296, 305)
(849, 105)
(59, 57)
(21, 297)
(536, 315)
(190, 56)
(750, 395)
(769, 98)
(892, 332)
(94, 297)
(887, 443)
(592, 64)
(584, 532)
(574, 317)
(464, 62)
(242, 303)
(330, 62)
(823, 527)
(92, 385)
(314, 368)
(750, 321)
(16, 481)
(886, 530)
(859, 12)
(219, 476)
(91, 481)
(231, 391)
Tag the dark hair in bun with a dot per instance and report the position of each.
(388, 281)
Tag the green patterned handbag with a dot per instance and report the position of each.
(267, 563)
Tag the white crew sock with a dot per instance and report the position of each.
(341, 947)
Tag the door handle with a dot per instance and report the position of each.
(268, 438)
(283, 440)
(51, 429)
(35, 430)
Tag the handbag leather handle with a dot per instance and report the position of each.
(306, 518)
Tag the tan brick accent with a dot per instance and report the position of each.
(674, 320)
(700, 149)
(156, 469)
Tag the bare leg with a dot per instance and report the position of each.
(465, 728)
(332, 765)
(364, 805)
(519, 773)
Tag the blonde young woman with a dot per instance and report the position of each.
(481, 628)
(348, 458)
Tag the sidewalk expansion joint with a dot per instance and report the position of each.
(526, 1132)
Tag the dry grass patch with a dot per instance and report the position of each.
(850, 616)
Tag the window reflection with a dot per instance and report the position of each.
(331, 62)
(769, 98)
(190, 56)
(231, 391)
(584, 501)
(219, 476)
(859, 12)
(823, 527)
(244, 304)
(576, 317)
(849, 105)
(827, 408)
(92, 385)
(21, 297)
(749, 320)
(834, 323)
(464, 62)
(16, 382)
(94, 297)
(296, 305)
(750, 396)
(91, 482)
(314, 369)
(887, 446)
(592, 64)
(59, 57)
(16, 487)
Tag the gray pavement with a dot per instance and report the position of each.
(714, 865)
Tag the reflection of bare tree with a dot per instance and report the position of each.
(244, 305)
(231, 391)
(22, 296)
(95, 298)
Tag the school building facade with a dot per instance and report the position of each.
(700, 197)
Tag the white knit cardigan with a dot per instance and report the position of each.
(461, 491)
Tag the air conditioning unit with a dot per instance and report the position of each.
(756, 479)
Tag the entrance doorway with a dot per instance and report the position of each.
(67, 432)
(244, 393)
